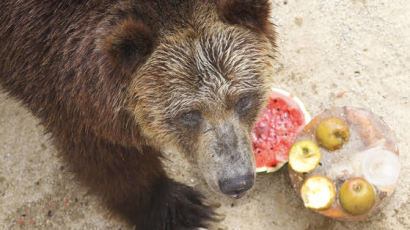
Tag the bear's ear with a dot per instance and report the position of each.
(128, 44)
(251, 13)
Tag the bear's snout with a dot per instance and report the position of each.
(236, 187)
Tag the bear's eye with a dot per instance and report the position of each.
(191, 118)
(243, 104)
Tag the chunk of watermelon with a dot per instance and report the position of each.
(276, 130)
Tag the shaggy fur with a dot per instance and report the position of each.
(97, 74)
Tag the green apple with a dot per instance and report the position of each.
(357, 196)
(304, 156)
(332, 133)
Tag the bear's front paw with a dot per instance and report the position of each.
(175, 206)
(188, 209)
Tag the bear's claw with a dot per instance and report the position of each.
(175, 206)
(211, 203)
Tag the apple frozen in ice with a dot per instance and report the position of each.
(332, 133)
(357, 196)
(304, 156)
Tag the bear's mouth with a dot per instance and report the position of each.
(238, 196)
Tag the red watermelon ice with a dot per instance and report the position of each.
(276, 130)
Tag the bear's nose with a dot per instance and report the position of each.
(237, 186)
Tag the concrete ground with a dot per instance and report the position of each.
(357, 47)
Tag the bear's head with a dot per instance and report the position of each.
(200, 76)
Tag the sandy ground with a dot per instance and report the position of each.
(358, 47)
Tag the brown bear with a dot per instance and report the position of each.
(117, 83)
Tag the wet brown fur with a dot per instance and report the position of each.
(84, 67)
